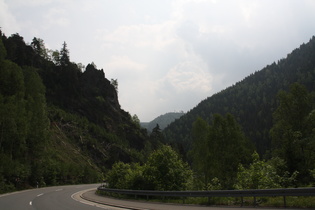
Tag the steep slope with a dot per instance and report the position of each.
(59, 124)
(252, 100)
(163, 120)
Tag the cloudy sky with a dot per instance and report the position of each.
(167, 55)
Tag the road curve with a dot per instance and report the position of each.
(49, 198)
(71, 197)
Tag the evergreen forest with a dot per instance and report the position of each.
(274, 108)
(61, 123)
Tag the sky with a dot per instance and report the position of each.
(167, 55)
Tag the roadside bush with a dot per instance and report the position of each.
(264, 175)
(164, 170)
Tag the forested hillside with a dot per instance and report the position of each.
(253, 100)
(60, 123)
(163, 121)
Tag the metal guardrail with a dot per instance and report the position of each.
(219, 193)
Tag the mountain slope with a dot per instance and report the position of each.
(163, 120)
(252, 100)
(59, 124)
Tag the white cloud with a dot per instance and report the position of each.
(166, 55)
(155, 36)
(8, 23)
(190, 76)
(125, 65)
(57, 17)
(39, 3)
(155, 65)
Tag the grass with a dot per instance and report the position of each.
(291, 201)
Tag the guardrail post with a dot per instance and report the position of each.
(284, 201)
(255, 203)
(242, 202)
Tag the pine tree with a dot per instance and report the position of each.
(64, 55)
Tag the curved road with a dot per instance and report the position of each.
(69, 197)
(50, 198)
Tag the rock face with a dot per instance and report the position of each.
(99, 98)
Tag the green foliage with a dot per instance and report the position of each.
(36, 112)
(164, 170)
(13, 122)
(126, 176)
(24, 125)
(81, 133)
(259, 175)
(218, 149)
(39, 47)
(64, 55)
(200, 151)
(156, 137)
(292, 133)
(252, 100)
(3, 52)
(117, 176)
(264, 175)
(114, 82)
(55, 57)
(214, 184)
(136, 120)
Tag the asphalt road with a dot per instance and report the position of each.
(50, 198)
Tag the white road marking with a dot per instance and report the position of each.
(58, 190)
(40, 194)
(76, 196)
(30, 203)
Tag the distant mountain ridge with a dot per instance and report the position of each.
(252, 100)
(163, 120)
